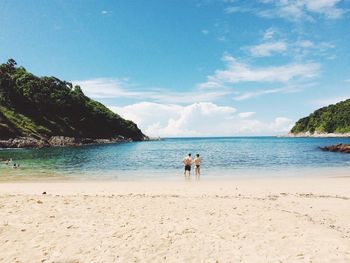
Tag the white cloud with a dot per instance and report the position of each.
(122, 88)
(239, 9)
(205, 32)
(293, 10)
(305, 46)
(210, 84)
(326, 7)
(236, 72)
(221, 38)
(191, 96)
(267, 49)
(246, 114)
(303, 9)
(286, 89)
(281, 124)
(273, 44)
(294, 49)
(269, 34)
(106, 87)
(105, 12)
(198, 119)
(149, 114)
(253, 94)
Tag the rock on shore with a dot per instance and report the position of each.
(316, 135)
(56, 141)
(343, 148)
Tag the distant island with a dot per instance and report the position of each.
(46, 111)
(330, 121)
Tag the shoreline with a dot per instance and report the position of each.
(245, 220)
(19, 175)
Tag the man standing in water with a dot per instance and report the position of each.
(197, 162)
(187, 162)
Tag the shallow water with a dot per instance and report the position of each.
(235, 156)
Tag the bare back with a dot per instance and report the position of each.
(197, 161)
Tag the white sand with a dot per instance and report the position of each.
(270, 220)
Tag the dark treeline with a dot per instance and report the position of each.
(46, 106)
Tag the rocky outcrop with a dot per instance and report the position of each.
(57, 141)
(343, 148)
(23, 142)
(316, 135)
(62, 141)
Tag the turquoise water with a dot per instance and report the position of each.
(234, 156)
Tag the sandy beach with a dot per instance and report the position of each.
(240, 220)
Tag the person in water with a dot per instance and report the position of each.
(187, 161)
(197, 163)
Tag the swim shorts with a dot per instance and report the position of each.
(187, 167)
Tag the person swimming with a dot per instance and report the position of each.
(197, 162)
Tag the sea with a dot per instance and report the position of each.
(224, 157)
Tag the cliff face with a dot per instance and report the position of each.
(43, 107)
(333, 119)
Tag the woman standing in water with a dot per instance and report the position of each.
(197, 163)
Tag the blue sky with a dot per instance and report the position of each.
(190, 68)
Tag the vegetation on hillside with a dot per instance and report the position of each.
(41, 107)
(330, 119)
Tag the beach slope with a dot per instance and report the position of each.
(250, 220)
